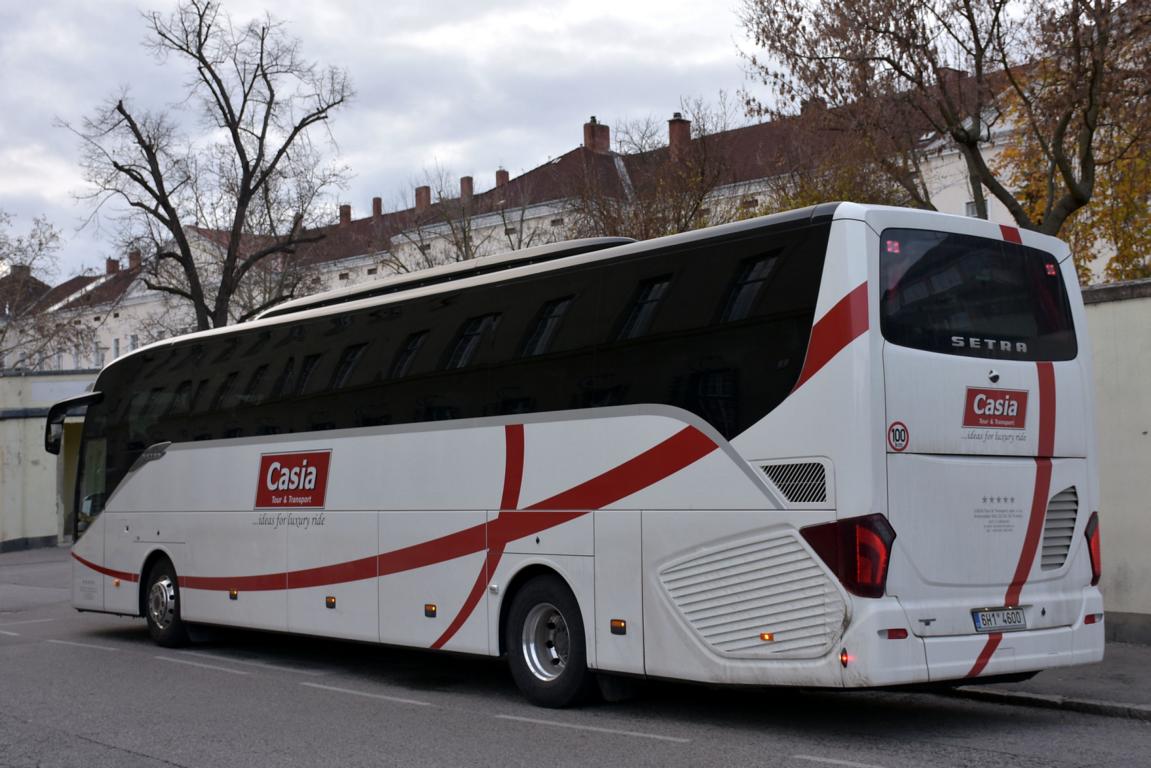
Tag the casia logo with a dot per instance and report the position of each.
(293, 479)
(995, 408)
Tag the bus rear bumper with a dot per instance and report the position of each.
(988, 655)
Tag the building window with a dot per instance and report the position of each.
(509, 230)
(558, 222)
(373, 270)
(115, 348)
(133, 342)
(468, 341)
(307, 368)
(403, 362)
(748, 202)
(643, 306)
(343, 275)
(424, 247)
(970, 209)
(547, 323)
(748, 282)
(115, 314)
(347, 363)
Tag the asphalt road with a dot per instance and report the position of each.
(92, 690)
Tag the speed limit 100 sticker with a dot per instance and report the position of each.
(897, 436)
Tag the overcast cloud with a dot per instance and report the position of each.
(469, 86)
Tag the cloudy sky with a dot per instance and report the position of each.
(469, 86)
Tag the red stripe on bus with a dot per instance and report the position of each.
(662, 460)
(1046, 409)
(1039, 497)
(122, 575)
(842, 324)
(513, 481)
(1011, 234)
(513, 465)
(678, 451)
(658, 462)
(993, 641)
(1034, 530)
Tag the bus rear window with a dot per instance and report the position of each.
(973, 296)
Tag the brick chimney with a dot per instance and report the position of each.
(678, 136)
(596, 136)
(951, 79)
(111, 266)
(812, 105)
(134, 259)
(20, 271)
(377, 207)
(423, 198)
(501, 177)
(466, 188)
(345, 214)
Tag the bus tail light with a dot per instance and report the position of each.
(857, 550)
(1094, 546)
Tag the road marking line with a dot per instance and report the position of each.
(833, 761)
(200, 654)
(9, 634)
(202, 666)
(594, 729)
(26, 621)
(82, 645)
(365, 694)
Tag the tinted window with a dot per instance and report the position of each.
(718, 327)
(973, 296)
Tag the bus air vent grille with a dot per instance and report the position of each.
(1059, 528)
(733, 593)
(803, 482)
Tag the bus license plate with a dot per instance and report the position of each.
(999, 620)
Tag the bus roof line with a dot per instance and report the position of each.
(445, 273)
(797, 218)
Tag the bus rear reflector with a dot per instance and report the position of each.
(857, 550)
(1094, 546)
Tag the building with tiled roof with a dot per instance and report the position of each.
(540, 206)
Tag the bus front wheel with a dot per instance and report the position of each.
(544, 636)
(162, 606)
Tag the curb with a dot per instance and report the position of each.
(1049, 701)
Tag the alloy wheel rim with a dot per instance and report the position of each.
(162, 602)
(545, 643)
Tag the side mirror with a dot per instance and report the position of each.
(73, 406)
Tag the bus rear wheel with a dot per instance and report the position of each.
(162, 606)
(544, 635)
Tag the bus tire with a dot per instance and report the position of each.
(544, 635)
(162, 606)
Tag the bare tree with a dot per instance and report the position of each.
(652, 187)
(451, 223)
(233, 203)
(911, 76)
(30, 335)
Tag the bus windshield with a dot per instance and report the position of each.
(973, 296)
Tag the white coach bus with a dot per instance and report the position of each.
(843, 446)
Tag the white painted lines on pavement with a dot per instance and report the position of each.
(367, 695)
(82, 645)
(594, 729)
(230, 660)
(9, 634)
(202, 666)
(833, 761)
(25, 621)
